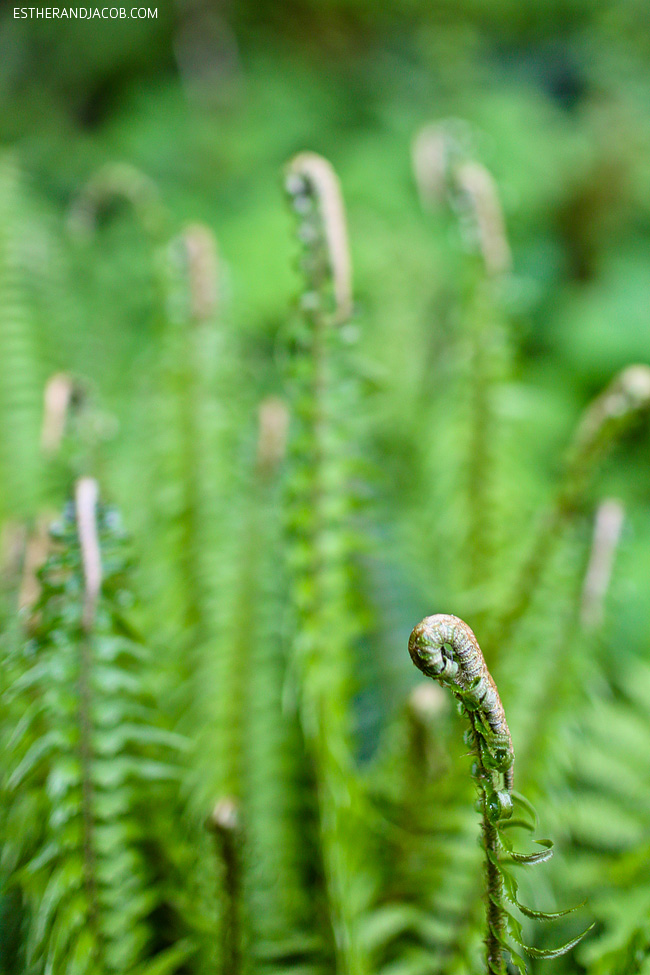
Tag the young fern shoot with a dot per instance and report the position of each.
(444, 172)
(114, 182)
(444, 648)
(604, 421)
(320, 547)
(87, 754)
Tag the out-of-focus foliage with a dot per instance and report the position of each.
(296, 509)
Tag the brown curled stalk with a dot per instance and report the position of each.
(272, 438)
(57, 397)
(478, 190)
(192, 280)
(607, 417)
(187, 431)
(445, 649)
(61, 397)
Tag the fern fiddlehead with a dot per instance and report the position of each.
(444, 171)
(320, 547)
(185, 438)
(605, 420)
(444, 648)
(119, 181)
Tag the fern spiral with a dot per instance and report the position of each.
(444, 648)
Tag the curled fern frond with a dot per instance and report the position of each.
(58, 395)
(476, 186)
(322, 544)
(445, 171)
(316, 193)
(445, 649)
(185, 437)
(467, 426)
(605, 420)
(119, 181)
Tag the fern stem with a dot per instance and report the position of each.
(445, 649)
(443, 173)
(318, 514)
(225, 827)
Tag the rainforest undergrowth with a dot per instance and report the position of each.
(216, 756)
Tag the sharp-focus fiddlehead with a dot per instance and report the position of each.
(444, 648)
(321, 551)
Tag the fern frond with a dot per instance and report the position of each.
(320, 546)
(605, 420)
(444, 648)
(115, 182)
(87, 759)
(464, 422)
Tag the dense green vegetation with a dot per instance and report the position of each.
(217, 754)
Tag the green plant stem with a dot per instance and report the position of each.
(87, 797)
(495, 918)
(445, 649)
(224, 825)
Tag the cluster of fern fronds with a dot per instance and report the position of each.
(237, 771)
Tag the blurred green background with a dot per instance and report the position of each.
(210, 100)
